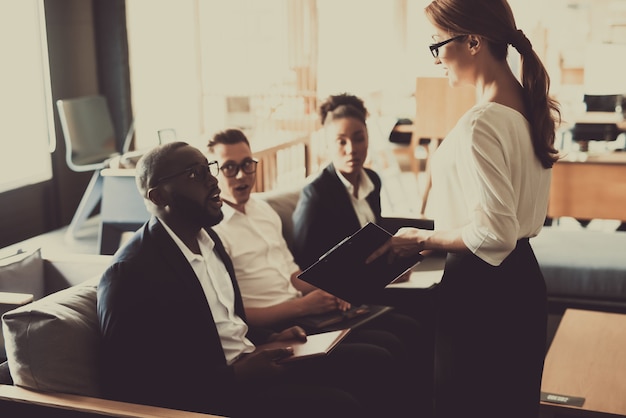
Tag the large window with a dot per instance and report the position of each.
(198, 66)
(201, 65)
(25, 105)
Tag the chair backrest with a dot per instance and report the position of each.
(604, 103)
(88, 132)
(284, 202)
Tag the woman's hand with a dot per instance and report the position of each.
(406, 242)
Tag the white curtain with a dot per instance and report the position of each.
(26, 105)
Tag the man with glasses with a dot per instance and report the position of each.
(266, 272)
(174, 331)
(252, 235)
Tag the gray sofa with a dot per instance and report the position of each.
(52, 346)
(52, 342)
(583, 268)
(52, 366)
(284, 203)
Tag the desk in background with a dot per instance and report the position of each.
(593, 189)
(602, 118)
(122, 208)
(588, 127)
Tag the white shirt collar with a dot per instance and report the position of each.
(366, 186)
(203, 238)
(228, 212)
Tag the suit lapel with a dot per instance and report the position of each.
(182, 271)
(373, 199)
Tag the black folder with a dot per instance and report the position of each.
(342, 271)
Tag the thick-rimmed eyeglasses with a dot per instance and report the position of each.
(248, 166)
(434, 48)
(197, 173)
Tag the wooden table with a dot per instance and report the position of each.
(587, 359)
(600, 118)
(591, 189)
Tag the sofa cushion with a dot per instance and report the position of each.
(23, 273)
(284, 203)
(52, 344)
(63, 270)
(585, 264)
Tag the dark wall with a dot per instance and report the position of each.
(112, 62)
(73, 73)
(88, 54)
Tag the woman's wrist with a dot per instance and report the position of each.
(425, 240)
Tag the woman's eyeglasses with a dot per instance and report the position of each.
(248, 166)
(434, 48)
(197, 173)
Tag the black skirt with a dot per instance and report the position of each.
(490, 336)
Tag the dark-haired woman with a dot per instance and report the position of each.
(341, 199)
(345, 195)
(490, 187)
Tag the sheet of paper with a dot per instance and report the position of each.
(315, 345)
(424, 275)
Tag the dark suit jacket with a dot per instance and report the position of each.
(324, 215)
(160, 345)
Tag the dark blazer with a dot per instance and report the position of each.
(324, 215)
(160, 345)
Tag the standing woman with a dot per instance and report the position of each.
(490, 187)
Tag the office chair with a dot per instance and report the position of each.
(612, 103)
(90, 145)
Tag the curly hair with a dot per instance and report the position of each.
(343, 105)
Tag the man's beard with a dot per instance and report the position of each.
(212, 220)
(196, 213)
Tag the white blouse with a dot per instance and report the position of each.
(487, 180)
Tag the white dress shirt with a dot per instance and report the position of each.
(220, 295)
(362, 209)
(487, 180)
(263, 263)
